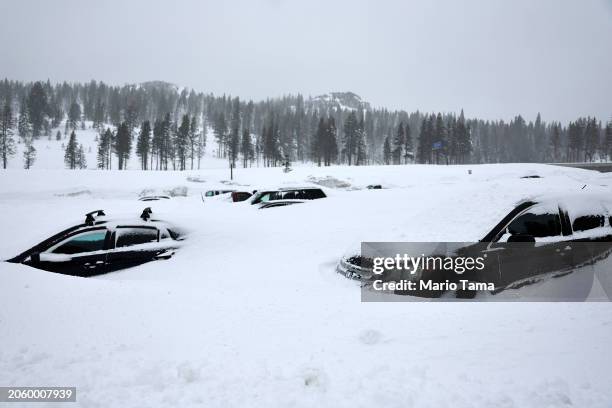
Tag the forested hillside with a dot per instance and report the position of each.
(163, 127)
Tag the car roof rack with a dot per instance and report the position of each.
(146, 214)
(90, 217)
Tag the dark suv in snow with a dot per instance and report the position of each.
(100, 245)
(549, 236)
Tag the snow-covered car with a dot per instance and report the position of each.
(154, 198)
(292, 193)
(101, 245)
(212, 193)
(277, 203)
(238, 196)
(546, 236)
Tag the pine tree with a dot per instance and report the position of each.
(316, 148)
(330, 146)
(104, 149)
(201, 146)
(271, 146)
(123, 145)
(233, 142)
(591, 139)
(425, 140)
(608, 141)
(408, 146)
(464, 144)
(143, 144)
(398, 144)
(555, 141)
(193, 139)
(81, 159)
(71, 153)
(246, 147)
(350, 136)
(74, 115)
(361, 149)
(181, 142)
(575, 139)
(220, 130)
(24, 128)
(439, 139)
(29, 154)
(131, 116)
(37, 108)
(7, 144)
(166, 148)
(387, 151)
(156, 144)
(451, 134)
(98, 115)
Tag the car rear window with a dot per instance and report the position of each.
(314, 194)
(129, 236)
(588, 222)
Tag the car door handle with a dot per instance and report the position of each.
(164, 255)
(97, 263)
(494, 249)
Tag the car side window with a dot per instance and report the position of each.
(129, 236)
(536, 222)
(85, 242)
(588, 222)
(314, 194)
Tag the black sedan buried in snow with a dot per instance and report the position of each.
(100, 245)
(550, 236)
(292, 193)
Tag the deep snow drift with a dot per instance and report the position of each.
(251, 313)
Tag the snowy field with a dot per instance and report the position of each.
(250, 312)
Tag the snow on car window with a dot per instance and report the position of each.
(582, 207)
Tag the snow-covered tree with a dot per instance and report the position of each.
(7, 144)
(29, 154)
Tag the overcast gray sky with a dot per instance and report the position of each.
(493, 58)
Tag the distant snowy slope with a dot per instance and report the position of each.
(50, 152)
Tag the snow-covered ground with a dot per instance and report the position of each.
(251, 313)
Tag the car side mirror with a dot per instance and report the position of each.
(521, 238)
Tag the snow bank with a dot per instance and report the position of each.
(251, 313)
